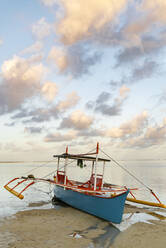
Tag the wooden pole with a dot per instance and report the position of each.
(65, 167)
(97, 151)
(57, 170)
(103, 174)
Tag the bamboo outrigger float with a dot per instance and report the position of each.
(93, 196)
(153, 204)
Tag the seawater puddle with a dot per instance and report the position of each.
(158, 215)
(133, 218)
(11, 204)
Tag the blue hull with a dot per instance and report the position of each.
(110, 209)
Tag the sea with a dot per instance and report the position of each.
(143, 175)
(34, 195)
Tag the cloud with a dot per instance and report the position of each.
(101, 105)
(110, 110)
(58, 57)
(35, 58)
(114, 84)
(77, 120)
(100, 101)
(71, 100)
(49, 90)
(1, 42)
(41, 29)
(90, 132)
(152, 136)
(152, 45)
(81, 58)
(83, 21)
(84, 18)
(129, 128)
(127, 55)
(164, 122)
(83, 27)
(49, 3)
(12, 147)
(149, 17)
(89, 105)
(157, 133)
(137, 29)
(141, 70)
(142, 33)
(35, 48)
(38, 115)
(162, 97)
(20, 81)
(76, 60)
(10, 124)
(123, 91)
(156, 9)
(103, 97)
(58, 137)
(45, 114)
(33, 130)
(146, 70)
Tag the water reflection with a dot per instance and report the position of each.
(159, 216)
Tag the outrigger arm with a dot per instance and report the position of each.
(24, 179)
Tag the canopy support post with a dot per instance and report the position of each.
(103, 174)
(57, 170)
(65, 167)
(97, 152)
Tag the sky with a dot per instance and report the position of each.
(80, 72)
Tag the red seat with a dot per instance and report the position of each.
(98, 181)
(61, 178)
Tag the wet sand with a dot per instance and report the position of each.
(67, 227)
(144, 235)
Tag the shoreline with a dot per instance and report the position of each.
(69, 227)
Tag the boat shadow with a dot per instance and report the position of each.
(104, 240)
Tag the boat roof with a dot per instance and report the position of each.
(80, 156)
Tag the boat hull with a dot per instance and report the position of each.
(110, 209)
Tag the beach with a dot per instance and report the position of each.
(68, 227)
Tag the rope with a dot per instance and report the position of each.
(56, 170)
(138, 180)
(37, 167)
(126, 171)
(36, 189)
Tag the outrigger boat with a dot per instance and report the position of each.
(94, 196)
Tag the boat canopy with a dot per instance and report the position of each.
(81, 157)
